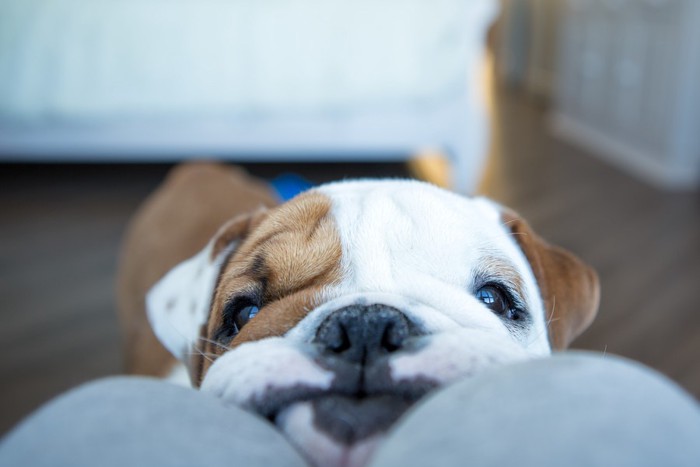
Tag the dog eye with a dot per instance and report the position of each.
(498, 301)
(236, 314)
(245, 314)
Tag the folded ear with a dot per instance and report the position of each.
(178, 304)
(569, 287)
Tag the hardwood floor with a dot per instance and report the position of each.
(60, 229)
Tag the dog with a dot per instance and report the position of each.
(333, 313)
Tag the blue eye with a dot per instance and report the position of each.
(251, 311)
(488, 295)
(236, 314)
(245, 314)
(498, 301)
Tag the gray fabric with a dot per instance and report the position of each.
(574, 409)
(131, 422)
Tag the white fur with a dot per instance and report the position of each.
(242, 375)
(456, 354)
(178, 304)
(424, 244)
(179, 375)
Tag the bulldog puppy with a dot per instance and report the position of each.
(333, 313)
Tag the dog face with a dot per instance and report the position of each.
(331, 314)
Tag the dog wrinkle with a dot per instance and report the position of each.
(294, 253)
(273, 399)
(244, 375)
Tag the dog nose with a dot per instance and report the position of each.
(361, 334)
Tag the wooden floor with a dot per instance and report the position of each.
(60, 229)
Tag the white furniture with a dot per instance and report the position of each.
(629, 85)
(125, 80)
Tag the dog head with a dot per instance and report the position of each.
(333, 313)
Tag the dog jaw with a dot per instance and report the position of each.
(297, 422)
(301, 394)
(314, 399)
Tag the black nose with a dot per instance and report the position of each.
(361, 334)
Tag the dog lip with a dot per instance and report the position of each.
(352, 382)
(275, 401)
(350, 420)
(345, 418)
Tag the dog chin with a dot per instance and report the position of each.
(335, 442)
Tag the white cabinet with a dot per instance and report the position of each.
(628, 85)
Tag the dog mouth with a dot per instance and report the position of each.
(348, 419)
(337, 428)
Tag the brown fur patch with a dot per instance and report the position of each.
(570, 289)
(174, 223)
(289, 257)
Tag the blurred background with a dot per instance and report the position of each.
(583, 115)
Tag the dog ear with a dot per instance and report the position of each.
(178, 304)
(570, 288)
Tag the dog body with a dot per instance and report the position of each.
(332, 313)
